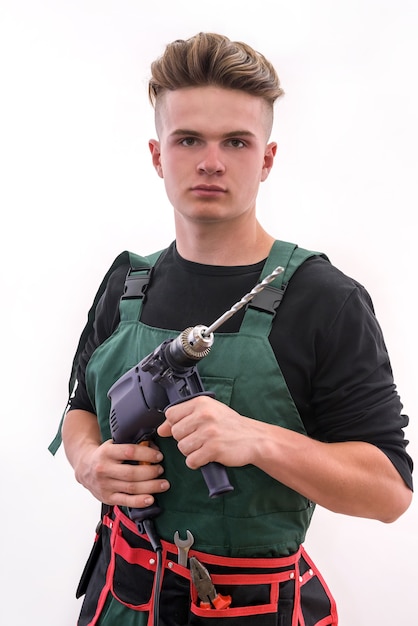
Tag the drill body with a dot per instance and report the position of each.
(167, 376)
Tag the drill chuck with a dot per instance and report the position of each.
(190, 346)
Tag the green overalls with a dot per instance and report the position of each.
(262, 519)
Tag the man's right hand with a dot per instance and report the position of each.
(116, 474)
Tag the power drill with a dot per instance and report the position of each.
(165, 377)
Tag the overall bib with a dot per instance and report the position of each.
(250, 539)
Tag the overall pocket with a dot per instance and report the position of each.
(262, 592)
(317, 605)
(132, 573)
(260, 603)
(132, 567)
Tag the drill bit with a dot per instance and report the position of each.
(206, 332)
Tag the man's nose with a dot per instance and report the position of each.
(211, 163)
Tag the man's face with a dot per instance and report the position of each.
(212, 151)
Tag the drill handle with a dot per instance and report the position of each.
(214, 474)
(148, 512)
(216, 479)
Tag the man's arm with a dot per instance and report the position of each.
(106, 469)
(354, 478)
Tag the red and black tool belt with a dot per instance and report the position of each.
(286, 591)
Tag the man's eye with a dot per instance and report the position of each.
(188, 141)
(236, 143)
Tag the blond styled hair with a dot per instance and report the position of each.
(209, 59)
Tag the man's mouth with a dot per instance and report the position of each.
(208, 190)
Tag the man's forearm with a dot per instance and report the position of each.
(353, 478)
(80, 430)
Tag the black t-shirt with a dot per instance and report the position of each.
(325, 336)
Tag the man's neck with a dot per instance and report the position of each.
(218, 245)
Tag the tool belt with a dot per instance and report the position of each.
(285, 591)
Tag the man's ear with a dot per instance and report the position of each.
(154, 147)
(269, 155)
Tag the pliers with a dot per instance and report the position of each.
(209, 598)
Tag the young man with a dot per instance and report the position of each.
(305, 409)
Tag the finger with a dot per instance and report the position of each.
(164, 430)
(146, 444)
(145, 487)
(127, 472)
(179, 411)
(138, 500)
(184, 429)
(131, 452)
(110, 473)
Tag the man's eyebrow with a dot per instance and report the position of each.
(185, 131)
(239, 133)
(194, 133)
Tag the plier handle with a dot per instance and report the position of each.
(209, 598)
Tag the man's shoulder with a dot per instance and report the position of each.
(317, 280)
(319, 270)
(129, 260)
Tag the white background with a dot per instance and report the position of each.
(77, 187)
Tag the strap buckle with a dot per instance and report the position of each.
(268, 300)
(136, 282)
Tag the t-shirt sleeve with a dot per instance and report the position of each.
(106, 320)
(354, 394)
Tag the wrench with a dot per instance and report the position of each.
(183, 546)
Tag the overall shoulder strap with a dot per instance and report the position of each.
(136, 284)
(290, 257)
(136, 263)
